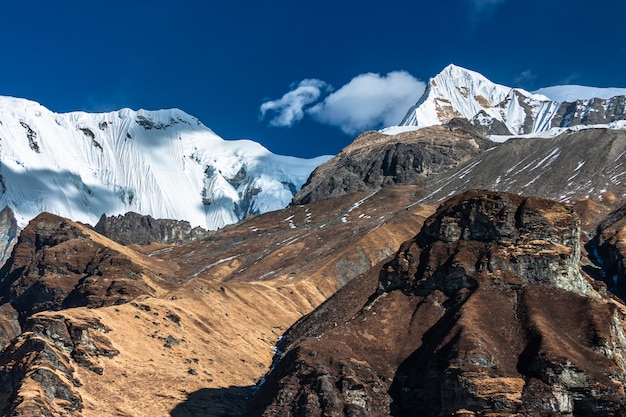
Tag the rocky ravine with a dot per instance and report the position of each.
(608, 251)
(484, 313)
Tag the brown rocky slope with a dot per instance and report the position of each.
(94, 328)
(484, 313)
(578, 165)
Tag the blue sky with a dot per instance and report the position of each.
(301, 77)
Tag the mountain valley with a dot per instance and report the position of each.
(155, 326)
(435, 268)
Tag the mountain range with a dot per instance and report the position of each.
(427, 269)
(458, 92)
(164, 163)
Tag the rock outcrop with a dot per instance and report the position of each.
(590, 112)
(375, 160)
(142, 230)
(484, 313)
(9, 232)
(38, 370)
(56, 264)
(607, 250)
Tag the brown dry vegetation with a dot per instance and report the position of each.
(214, 311)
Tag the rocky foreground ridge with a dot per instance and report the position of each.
(485, 312)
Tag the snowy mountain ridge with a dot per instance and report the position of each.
(502, 110)
(164, 163)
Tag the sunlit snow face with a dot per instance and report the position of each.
(80, 165)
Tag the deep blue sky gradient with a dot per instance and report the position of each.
(219, 60)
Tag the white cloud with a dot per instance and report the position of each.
(369, 101)
(289, 109)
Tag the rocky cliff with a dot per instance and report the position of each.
(485, 312)
(607, 250)
(142, 230)
(56, 264)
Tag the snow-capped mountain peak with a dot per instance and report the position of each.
(459, 92)
(165, 163)
(455, 92)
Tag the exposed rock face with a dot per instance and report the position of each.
(142, 230)
(40, 365)
(484, 313)
(590, 112)
(9, 231)
(56, 265)
(608, 250)
(375, 160)
(530, 240)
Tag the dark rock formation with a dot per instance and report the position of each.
(9, 324)
(41, 363)
(491, 125)
(590, 112)
(608, 251)
(56, 265)
(484, 313)
(142, 230)
(375, 160)
(8, 233)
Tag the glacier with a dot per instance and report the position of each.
(164, 163)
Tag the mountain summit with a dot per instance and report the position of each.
(164, 163)
(459, 92)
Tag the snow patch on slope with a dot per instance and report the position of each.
(571, 93)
